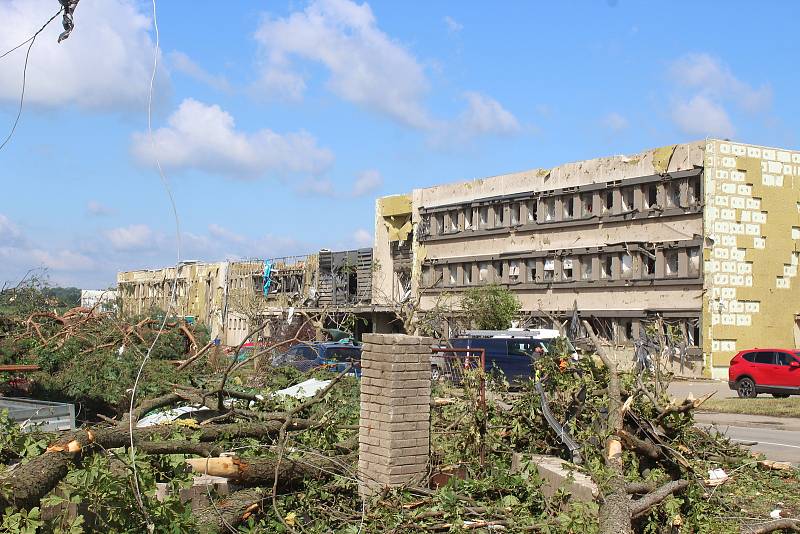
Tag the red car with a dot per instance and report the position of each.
(775, 371)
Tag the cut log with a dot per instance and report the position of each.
(223, 515)
(31, 481)
(236, 508)
(260, 471)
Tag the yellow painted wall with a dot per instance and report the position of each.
(752, 226)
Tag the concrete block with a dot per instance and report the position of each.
(555, 476)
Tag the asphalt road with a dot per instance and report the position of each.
(778, 437)
(681, 388)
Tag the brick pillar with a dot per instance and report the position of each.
(394, 434)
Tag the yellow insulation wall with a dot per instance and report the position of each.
(752, 230)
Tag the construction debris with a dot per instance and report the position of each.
(286, 444)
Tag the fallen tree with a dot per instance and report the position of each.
(26, 484)
(295, 459)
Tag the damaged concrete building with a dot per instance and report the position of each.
(703, 235)
(230, 297)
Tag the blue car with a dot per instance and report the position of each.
(511, 351)
(334, 356)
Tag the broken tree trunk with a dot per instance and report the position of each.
(223, 515)
(615, 508)
(787, 525)
(29, 482)
(260, 471)
(231, 511)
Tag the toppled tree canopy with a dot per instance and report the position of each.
(295, 460)
(92, 358)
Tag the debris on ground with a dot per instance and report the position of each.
(286, 442)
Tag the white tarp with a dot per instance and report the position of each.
(303, 390)
(167, 416)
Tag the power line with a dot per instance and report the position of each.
(30, 40)
(178, 264)
(32, 37)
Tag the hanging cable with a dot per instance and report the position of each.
(172, 295)
(32, 37)
(30, 40)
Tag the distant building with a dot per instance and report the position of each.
(232, 297)
(705, 235)
(101, 299)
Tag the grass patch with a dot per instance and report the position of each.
(761, 405)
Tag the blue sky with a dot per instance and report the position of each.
(279, 123)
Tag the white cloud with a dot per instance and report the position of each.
(105, 64)
(97, 209)
(322, 187)
(452, 24)
(367, 182)
(363, 238)
(485, 115)
(219, 232)
(18, 254)
(183, 63)
(60, 260)
(10, 233)
(702, 116)
(366, 66)
(204, 137)
(615, 122)
(133, 237)
(706, 89)
(713, 78)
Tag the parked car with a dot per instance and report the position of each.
(775, 371)
(306, 356)
(510, 351)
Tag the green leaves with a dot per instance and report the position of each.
(22, 522)
(491, 307)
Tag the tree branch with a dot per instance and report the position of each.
(641, 506)
(792, 525)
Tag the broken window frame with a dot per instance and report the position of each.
(484, 213)
(568, 207)
(606, 267)
(453, 218)
(649, 261)
(549, 204)
(467, 276)
(567, 269)
(587, 204)
(695, 191)
(439, 223)
(484, 272)
(626, 266)
(650, 196)
(671, 263)
(514, 271)
(672, 194)
(516, 208)
(628, 199)
(530, 270)
(586, 261)
(532, 212)
(694, 261)
(608, 201)
(549, 275)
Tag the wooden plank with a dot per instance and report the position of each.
(18, 368)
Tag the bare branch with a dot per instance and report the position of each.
(641, 506)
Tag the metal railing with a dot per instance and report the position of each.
(453, 366)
